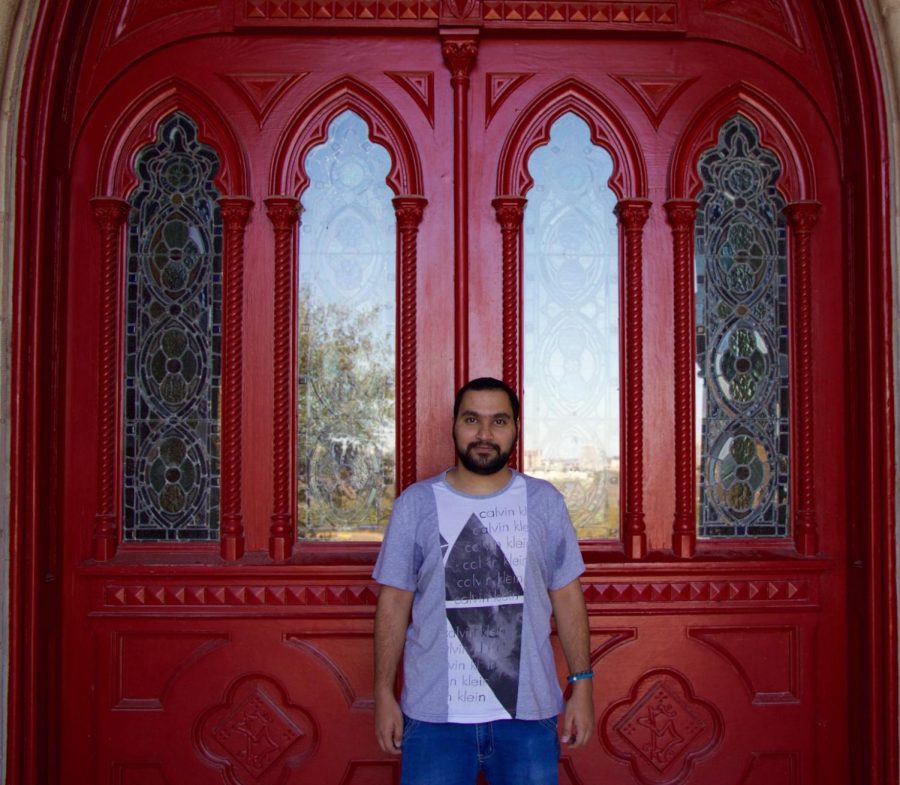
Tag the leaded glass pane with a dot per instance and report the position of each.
(742, 340)
(571, 327)
(173, 341)
(346, 341)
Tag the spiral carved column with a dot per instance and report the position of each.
(510, 211)
(802, 217)
(284, 213)
(459, 55)
(235, 212)
(632, 215)
(409, 211)
(109, 213)
(681, 216)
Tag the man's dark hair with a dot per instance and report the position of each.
(487, 383)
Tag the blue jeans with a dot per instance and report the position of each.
(510, 752)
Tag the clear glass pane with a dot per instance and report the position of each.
(346, 341)
(742, 340)
(172, 342)
(571, 327)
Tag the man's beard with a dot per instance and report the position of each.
(483, 464)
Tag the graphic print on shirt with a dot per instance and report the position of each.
(484, 594)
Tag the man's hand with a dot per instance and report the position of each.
(388, 723)
(578, 720)
(391, 620)
(574, 635)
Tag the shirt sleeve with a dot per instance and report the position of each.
(565, 560)
(396, 564)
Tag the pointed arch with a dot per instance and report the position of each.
(139, 126)
(607, 126)
(777, 132)
(309, 127)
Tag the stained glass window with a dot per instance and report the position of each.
(346, 338)
(742, 339)
(172, 341)
(570, 391)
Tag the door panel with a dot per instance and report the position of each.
(251, 663)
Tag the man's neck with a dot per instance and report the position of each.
(473, 484)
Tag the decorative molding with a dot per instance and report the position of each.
(632, 215)
(802, 218)
(145, 665)
(138, 14)
(654, 94)
(284, 213)
(775, 17)
(661, 698)
(257, 731)
(767, 659)
(235, 212)
(608, 128)
(261, 91)
(109, 214)
(638, 15)
(776, 590)
(702, 592)
(681, 216)
(459, 56)
(409, 211)
(309, 127)
(238, 595)
(616, 15)
(137, 126)
(419, 85)
(777, 132)
(497, 88)
(510, 211)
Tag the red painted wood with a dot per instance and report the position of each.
(632, 215)
(409, 211)
(681, 216)
(802, 217)
(110, 214)
(459, 55)
(235, 213)
(175, 647)
(510, 211)
(284, 213)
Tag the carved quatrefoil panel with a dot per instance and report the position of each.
(256, 733)
(661, 729)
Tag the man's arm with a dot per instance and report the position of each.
(391, 621)
(574, 635)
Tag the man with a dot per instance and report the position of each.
(481, 555)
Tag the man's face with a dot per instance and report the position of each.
(484, 431)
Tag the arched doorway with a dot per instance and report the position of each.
(736, 621)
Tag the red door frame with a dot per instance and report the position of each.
(37, 372)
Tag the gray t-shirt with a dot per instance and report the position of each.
(478, 646)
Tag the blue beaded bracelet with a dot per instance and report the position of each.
(573, 677)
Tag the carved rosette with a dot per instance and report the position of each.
(632, 215)
(510, 210)
(802, 218)
(408, 211)
(681, 216)
(109, 214)
(661, 729)
(284, 213)
(235, 212)
(257, 735)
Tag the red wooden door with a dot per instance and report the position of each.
(239, 651)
